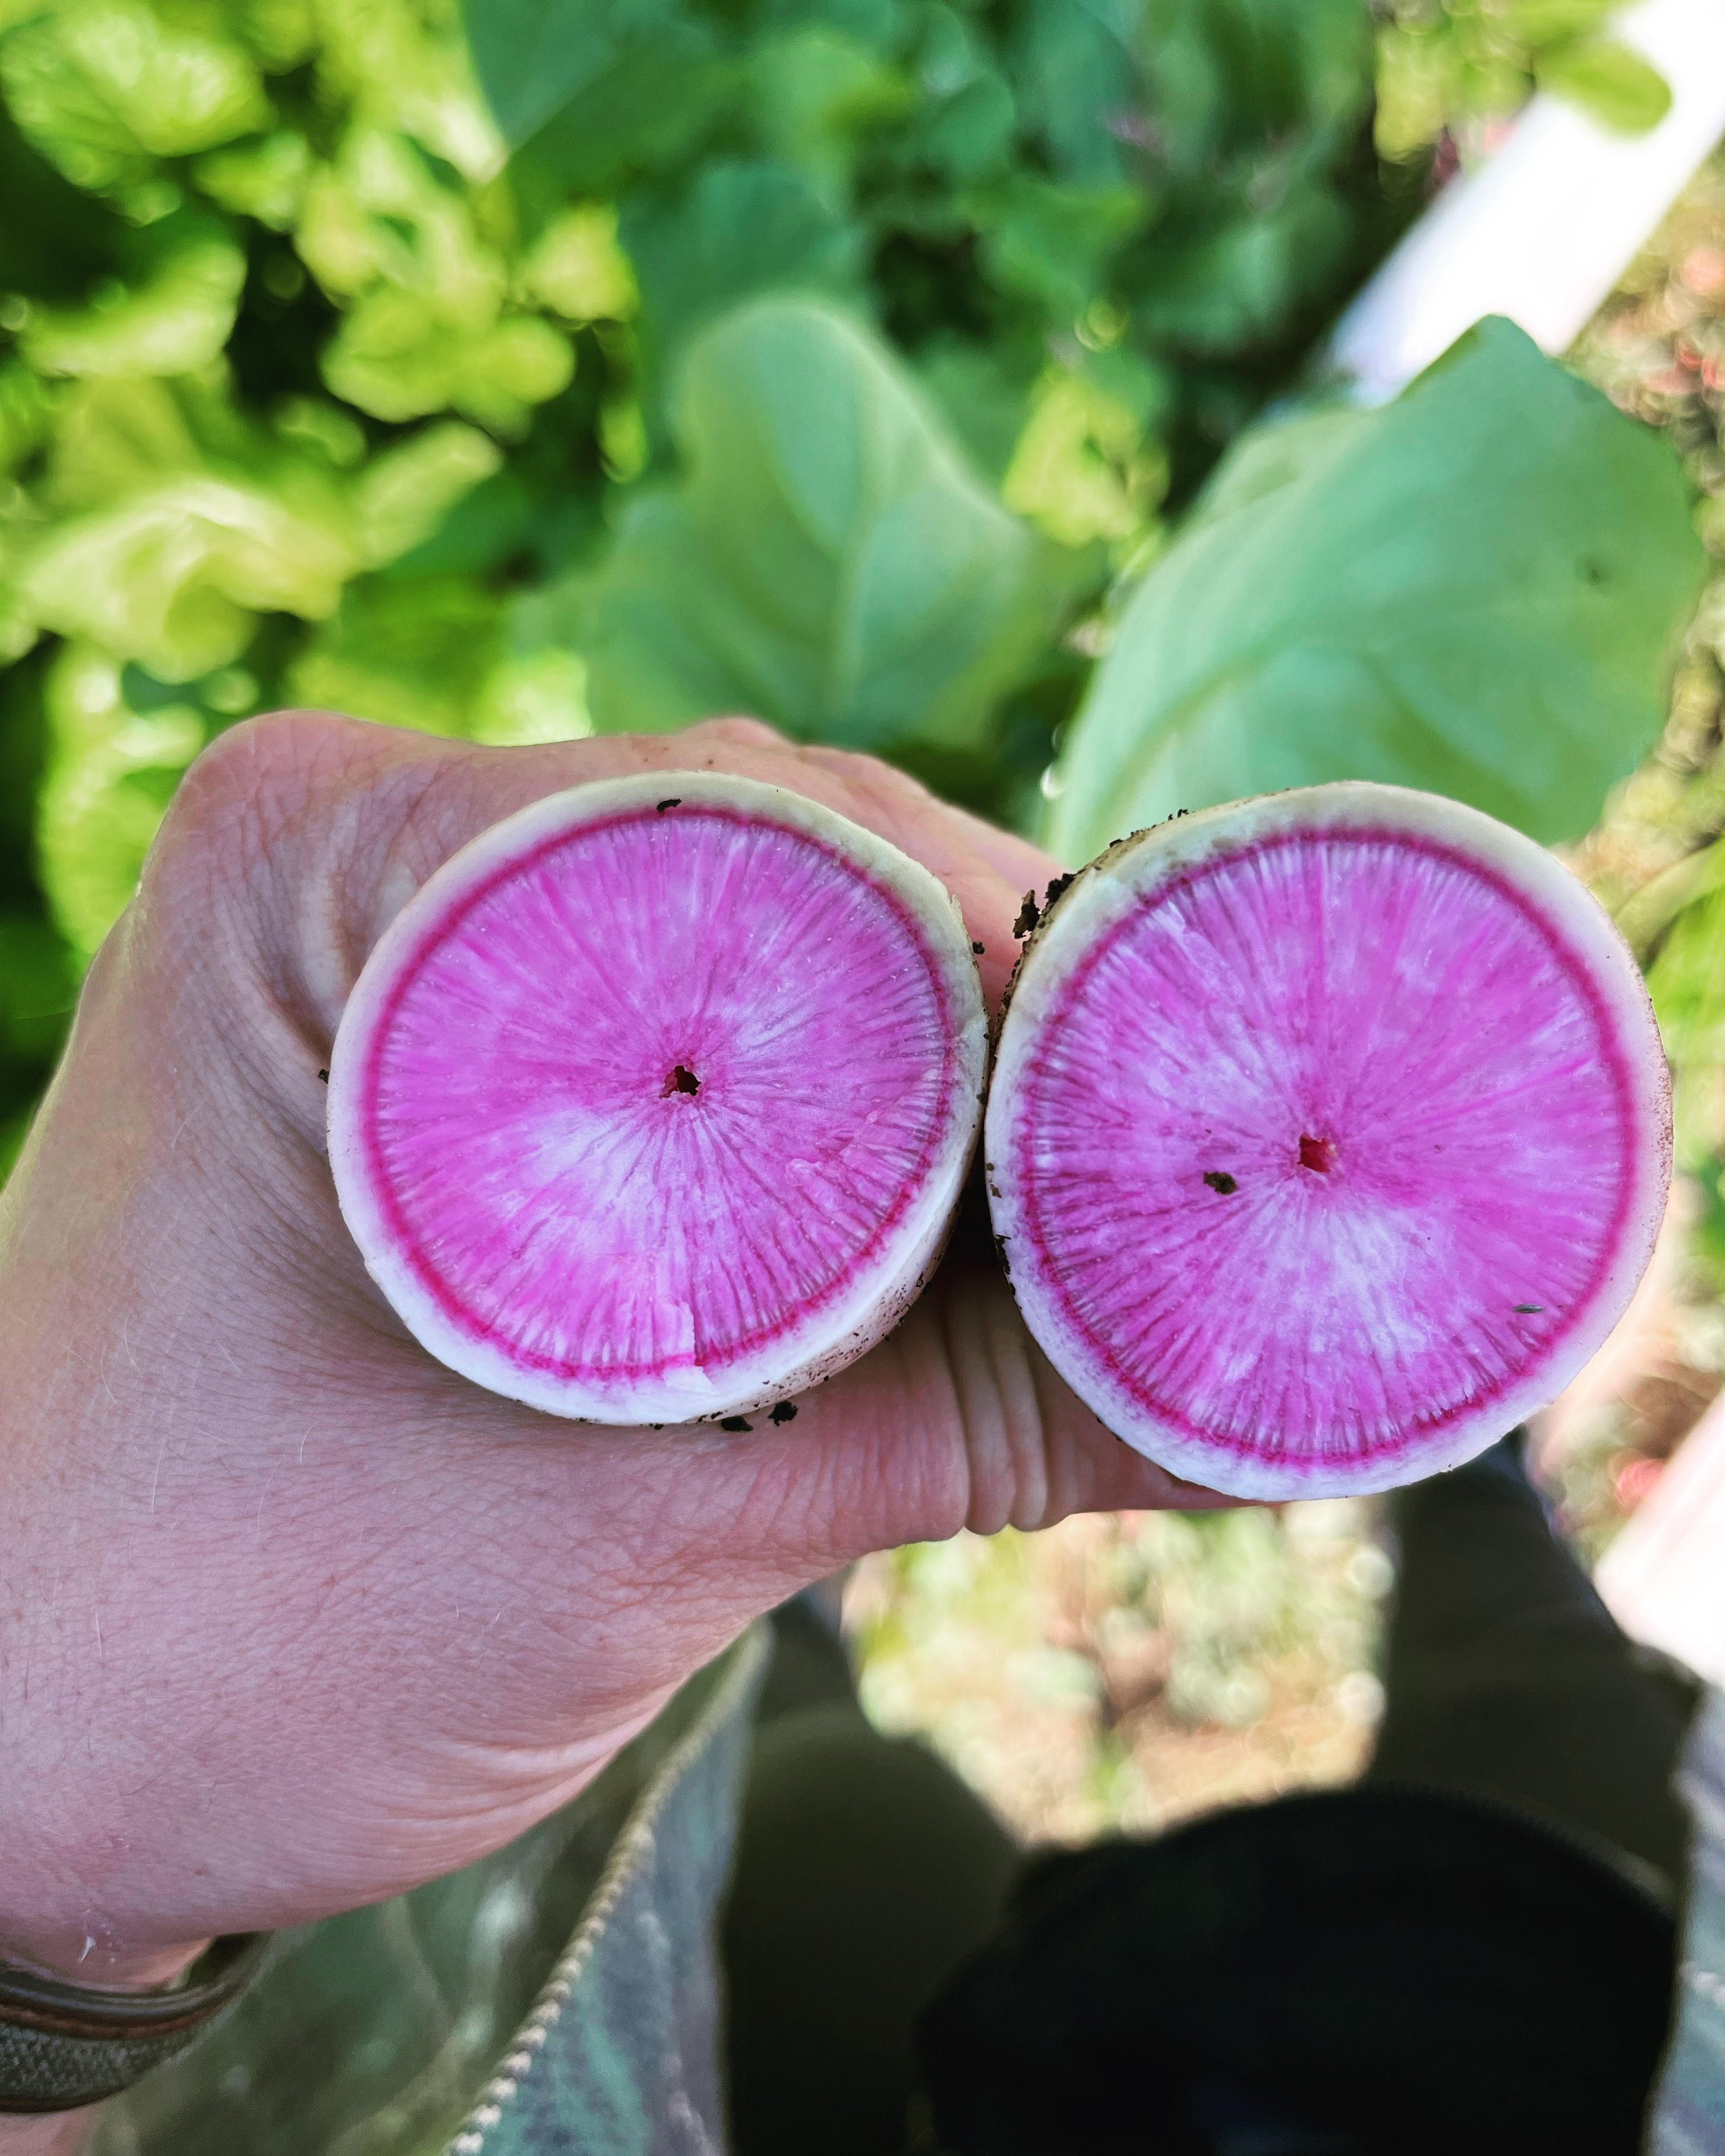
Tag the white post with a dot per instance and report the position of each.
(1543, 230)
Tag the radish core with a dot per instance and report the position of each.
(656, 1111)
(1329, 1136)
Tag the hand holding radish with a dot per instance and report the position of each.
(296, 1616)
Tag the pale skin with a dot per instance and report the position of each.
(294, 1618)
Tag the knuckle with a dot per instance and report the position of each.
(738, 728)
(245, 767)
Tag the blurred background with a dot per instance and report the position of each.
(953, 379)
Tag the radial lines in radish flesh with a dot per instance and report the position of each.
(1329, 1135)
(653, 1104)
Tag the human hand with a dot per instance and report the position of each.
(296, 1617)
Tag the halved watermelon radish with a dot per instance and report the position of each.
(654, 1103)
(1329, 1135)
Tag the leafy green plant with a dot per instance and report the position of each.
(1447, 66)
(825, 561)
(1479, 589)
(597, 362)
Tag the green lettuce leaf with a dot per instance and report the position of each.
(103, 87)
(175, 320)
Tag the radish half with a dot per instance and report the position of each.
(1328, 1137)
(653, 1104)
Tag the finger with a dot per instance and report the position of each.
(956, 1421)
(331, 825)
(1026, 866)
(745, 733)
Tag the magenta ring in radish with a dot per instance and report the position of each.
(1329, 1135)
(654, 1104)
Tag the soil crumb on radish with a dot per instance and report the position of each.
(735, 1423)
(786, 1411)
(1220, 1180)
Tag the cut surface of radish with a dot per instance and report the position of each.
(1328, 1137)
(654, 1103)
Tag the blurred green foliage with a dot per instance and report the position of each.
(605, 363)
(1445, 70)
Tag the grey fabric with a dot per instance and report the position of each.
(376, 2033)
(1689, 2111)
(619, 2056)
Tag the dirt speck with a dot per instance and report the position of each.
(1529, 1309)
(1219, 1179)
(323, 1077)
(675, 801)
(682, 1080)
(786, 1411)
(978, 948)
(734, 1422)
(1028, 916)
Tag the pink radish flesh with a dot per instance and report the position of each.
(1325, 1153)
(654, 1103)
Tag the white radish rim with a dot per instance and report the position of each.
(806, 1350)
(1135, 870)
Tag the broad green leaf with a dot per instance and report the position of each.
(814, 95)
(739, 228)
(982, 391)
(1477, 590)
(828, 563)
(1076, 74)
(1617, 86)
(1050, 241)
(647, 113)
(534, 56)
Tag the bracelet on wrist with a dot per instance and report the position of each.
(63, 2045)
